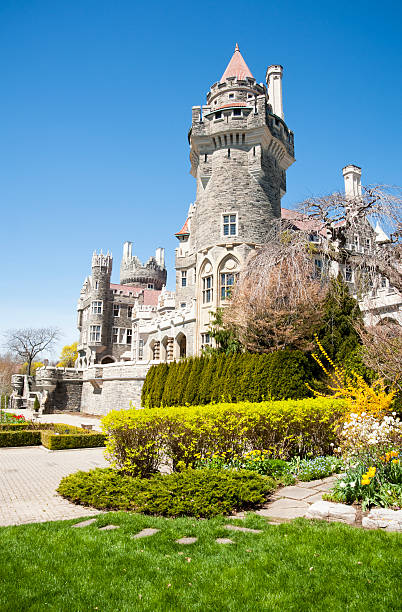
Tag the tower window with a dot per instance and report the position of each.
(205, 158)
(96, 284)
(237, 112)
(231, 95)
(230, 224)
(348, 274)
(207, 290)
(95, 333)
(116, 310)
(129, 336)
(150, 286)
(96, 307)
(205, 339)
(227, 282)
(237, 138)
(115, 335)
(130, 312)
(231, 138)
(184, 278)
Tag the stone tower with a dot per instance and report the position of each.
(240, 149)
(151, 275)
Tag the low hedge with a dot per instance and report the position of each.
(20, 437)
(198, 493)
(59, 441)
(13, 426)
(140, 441)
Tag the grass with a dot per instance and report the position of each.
(300, 566)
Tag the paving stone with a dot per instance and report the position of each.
(314, 498)
(189, 540)
(332, 512)
(85, 523)
(383, 518)
(236, 516)
(149, 531)
(224, 541)
(284, 509)
(311, 484)
(295, 492)
(109, 527)
(243, 529)
(325, 487)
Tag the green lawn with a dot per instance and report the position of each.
(300, 566)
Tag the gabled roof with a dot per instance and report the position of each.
(237, 67)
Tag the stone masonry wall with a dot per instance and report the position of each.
(112, 387)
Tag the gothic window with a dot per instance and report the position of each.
(116, 310)
(230, 224)
(348, 273)
(207, 290)
(150, 286)
(95, 333)
(140, 349)
(383, 281)
(129, 336)
(184, 278)
(130, 312)
(368, 244)
(115, 335)
(96, 307)
(227, 281)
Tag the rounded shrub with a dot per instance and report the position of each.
(198, 493)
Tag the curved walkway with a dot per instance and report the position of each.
(29, 477)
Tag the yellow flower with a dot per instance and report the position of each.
(365, 481)
(393, 454)
(371, 472)
(395, 461)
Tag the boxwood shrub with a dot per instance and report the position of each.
(198, 493)
(59, 441)
(19, 437)
(140, 441)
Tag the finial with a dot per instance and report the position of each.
(237, 48)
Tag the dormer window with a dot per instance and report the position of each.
(218, 115)
(237, 112)
(231, 96)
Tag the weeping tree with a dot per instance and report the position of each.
(29, 343)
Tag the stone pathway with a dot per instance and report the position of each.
(29, 477)
(294, 501)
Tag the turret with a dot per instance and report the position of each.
(352, 176)
(274, 84)
(152, 274)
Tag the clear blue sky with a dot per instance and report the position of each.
(96, 103)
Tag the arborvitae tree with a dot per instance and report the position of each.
(147, 386)
(255, 382)
(341, 312)
(263, 378)
(167, 395)
(246, 380)
(191, 395)
(182, 379)
(159, 385)
(288, 373)
(206, 380)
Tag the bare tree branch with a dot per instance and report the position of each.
(30, 342)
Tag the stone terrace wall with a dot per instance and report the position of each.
(112, 387)
(64, 385)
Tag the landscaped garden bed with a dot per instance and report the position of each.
(16, 431)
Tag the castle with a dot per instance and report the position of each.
(240, 149)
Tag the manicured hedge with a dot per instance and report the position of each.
(13, 426)
(235, 378)
(55, 441)
(20, 438)
(198, 493)
(140, 441)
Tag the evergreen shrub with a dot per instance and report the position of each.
(198, 493)
(233, 378)
(140, 441)
(20, 438)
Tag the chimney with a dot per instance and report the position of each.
(127, 250)
(274, 84)
(160, 257)
(352, 176)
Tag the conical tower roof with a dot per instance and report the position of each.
(237, 67)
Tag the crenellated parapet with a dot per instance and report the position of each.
(133, 272)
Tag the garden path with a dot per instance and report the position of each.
(29, 477)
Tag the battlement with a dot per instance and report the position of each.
(102, 261)
(151, 275)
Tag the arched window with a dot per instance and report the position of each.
(228, 275)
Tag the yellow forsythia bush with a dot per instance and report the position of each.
(139, 441)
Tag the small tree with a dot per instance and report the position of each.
(225, 336)
(69, 355)
(30, 343)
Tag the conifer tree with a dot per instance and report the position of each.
(186, 366)
(159, 384)
(216, 383)
(191, 395)
(341, 312)
(147, 386)
(167, 395)
(206, 380)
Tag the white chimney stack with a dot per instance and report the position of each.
(352, 176)
(274, 84)
(160, 257)
(127, 250)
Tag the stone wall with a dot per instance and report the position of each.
(114, 386)
(64, 386)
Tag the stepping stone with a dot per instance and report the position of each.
(149, 531)
(109, 527)
(235, 516)
(285, 509)
(224, 541)
(85, 523)
(383, 518)
(243, 529)
(314, 498)
(311, 484)
(296, 492)
(186, 540)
